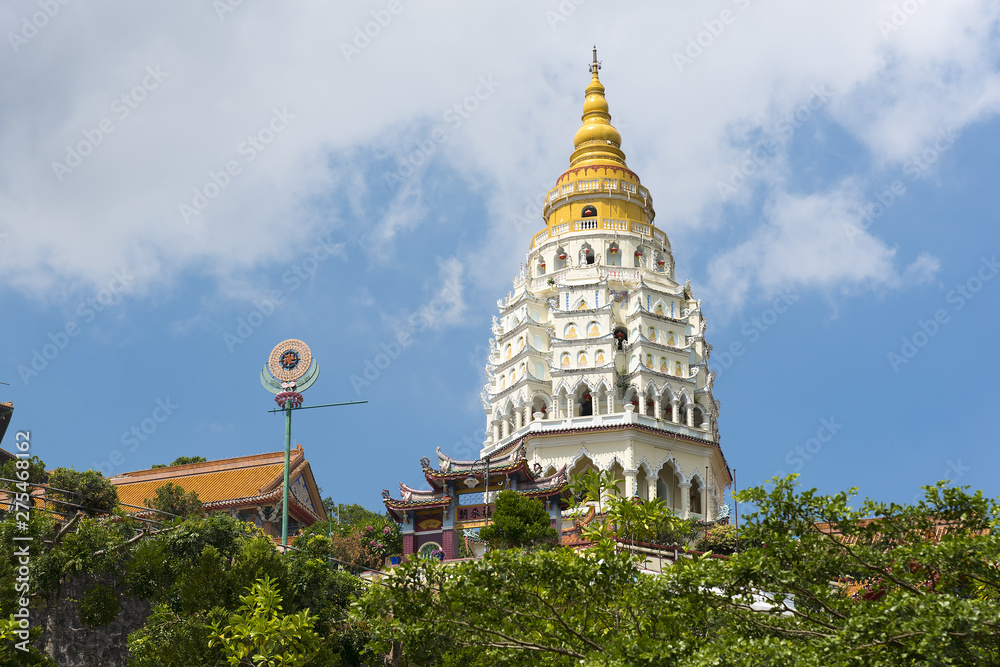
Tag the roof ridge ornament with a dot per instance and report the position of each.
(596, 65)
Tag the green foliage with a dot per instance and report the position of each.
(518, 522)
(181, 460)
(27, 471)
(829, 586)
(595, 487)
(198, 571)
(170, 639)
(260, 634)
(172, 500)
(99, 606)
(557, 607)
(11, 654)
(626, 519)
(719, 539)
(363, 538)
(184, 460)
(89, 490)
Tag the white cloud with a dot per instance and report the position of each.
(225, 78)
(816, 241)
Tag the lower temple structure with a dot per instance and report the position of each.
(436, 522)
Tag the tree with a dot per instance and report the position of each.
(595, 487)
(172, 500)
(182, 460)
(881, 585)
(89, 491)
(556, 607)
(719, 539)
(518, 522)
(23, 473)
(259, 634)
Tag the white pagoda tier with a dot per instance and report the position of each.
(598, 357)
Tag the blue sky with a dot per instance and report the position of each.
(183, 187)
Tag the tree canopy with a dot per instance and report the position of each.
(87, 490)
(829, 585)
(173, 501)
(518, 522)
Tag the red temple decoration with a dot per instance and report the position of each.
(438, 519)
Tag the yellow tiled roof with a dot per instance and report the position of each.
(210, 486)
(224, 482)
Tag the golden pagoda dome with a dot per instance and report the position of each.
(597, 139)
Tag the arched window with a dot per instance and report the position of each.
(570, 330)
(589, 211)
(503, 382)
(664, 365)
(564, 360)
(431, 550)
(614, 255)
(537, 342)
(599, 358)
(652, 334)
(593, 330)
(509, 352)
(581, 360)
(649, 361)
(671, 340)
(539, 370)
(696, 498)
(678, 369)
(520, 343)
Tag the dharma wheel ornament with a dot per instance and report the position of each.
(290, 370)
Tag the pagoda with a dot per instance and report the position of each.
(598, 361)
(598, 358)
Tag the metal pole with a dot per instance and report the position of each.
(288, 447)
(736, 510)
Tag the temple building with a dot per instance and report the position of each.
(598, 358)
(247, 487)
(460, 500)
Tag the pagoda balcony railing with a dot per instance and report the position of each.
(596, 185)
(612, 274)
(624, 418)
(596, 225)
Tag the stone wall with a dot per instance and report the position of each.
(71, 643)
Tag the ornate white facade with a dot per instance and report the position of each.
(598, 355)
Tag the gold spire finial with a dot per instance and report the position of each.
(597, 139)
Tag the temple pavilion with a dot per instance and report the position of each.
(598, 358)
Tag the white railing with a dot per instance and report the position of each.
(641, 228)
(620, 275)
(559, 229)
(582, 225)
(616, 225)
(610, 183)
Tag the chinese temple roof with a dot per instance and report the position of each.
(228, 483)
(505, 463)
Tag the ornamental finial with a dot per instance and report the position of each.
(596, 65)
